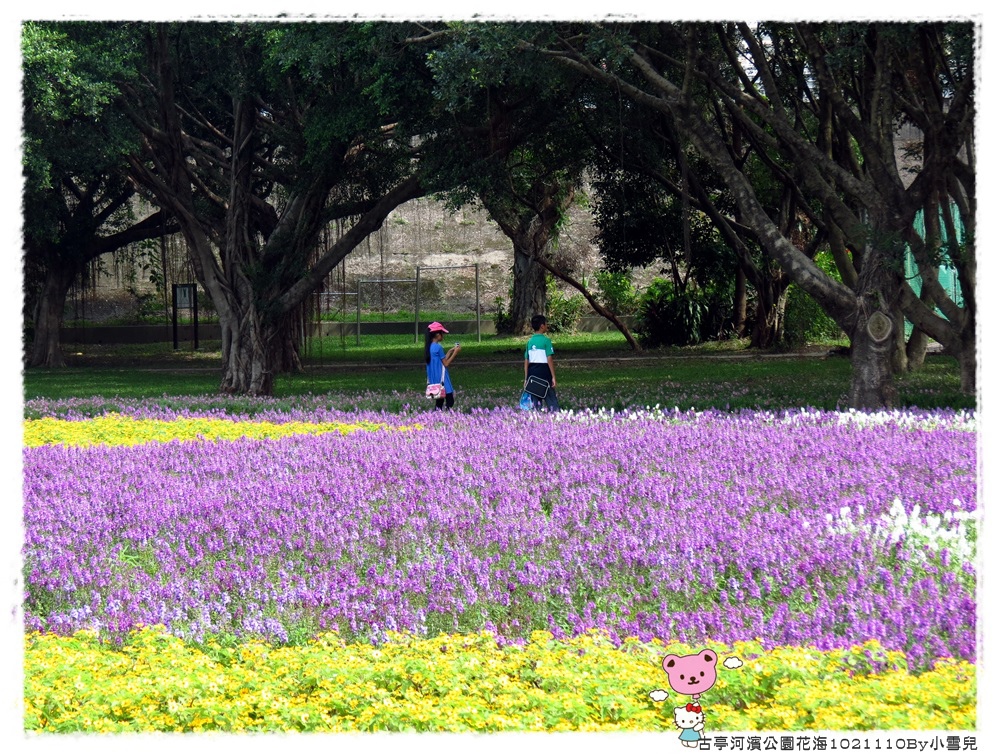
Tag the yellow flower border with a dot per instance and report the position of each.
(117, 429)
(157, 682)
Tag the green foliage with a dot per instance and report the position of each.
(502, 316)
(617, 292)
(72, 133)
(503, 320)
(475, 58)
(634, 224)
(352, 84)
(805, 321)
(68, 89)
(668, 317)
(562, 310)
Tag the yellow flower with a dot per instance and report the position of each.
(116, 429)
(577, 684)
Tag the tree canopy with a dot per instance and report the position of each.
(820, 104)
(78, 201)
(773, 138)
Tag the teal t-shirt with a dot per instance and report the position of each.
(537, 352)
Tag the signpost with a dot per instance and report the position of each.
(186, 297)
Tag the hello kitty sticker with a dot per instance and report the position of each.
(691, 720)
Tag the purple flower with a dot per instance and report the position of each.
(682, 526)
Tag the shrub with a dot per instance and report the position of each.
(501, 317)
(671, 318)
(617, 292)
(805, 320)
(563, 310)
(716, 324)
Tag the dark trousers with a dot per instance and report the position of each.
(549, 402)
(447, 402)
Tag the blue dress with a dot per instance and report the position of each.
(689, 734)
(436, 365)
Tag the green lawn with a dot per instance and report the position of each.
(593, 370)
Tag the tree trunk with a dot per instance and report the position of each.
(255, 349)
(528, 297)
(964, 352)
(916, 347)
(766, 327)
(45, 350)
(957, 337)
(841, 256)
(288, 344)
(967, 364)
(872, 384)
(768, 323)
(740, 302)
(874, 327)
(528, 231)
(251, 354)
(255, 345)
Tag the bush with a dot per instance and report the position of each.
(501, 317)
(805, 321)
(562, 310)
(671, 318)
(617, 292)
(717, 322)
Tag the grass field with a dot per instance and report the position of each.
(594, 370)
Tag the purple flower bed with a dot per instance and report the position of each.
(677, 526)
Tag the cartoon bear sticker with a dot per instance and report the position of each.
(691, 674)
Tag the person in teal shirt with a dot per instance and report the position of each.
(538, 362)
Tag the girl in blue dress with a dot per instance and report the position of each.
(691, 720)
(438, 362)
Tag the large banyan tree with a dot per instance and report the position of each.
(257, 136)
(822, 105)
(254, 138)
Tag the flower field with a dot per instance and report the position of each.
(306, 565)
(469, 683)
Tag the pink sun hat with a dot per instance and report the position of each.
(436, 327)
